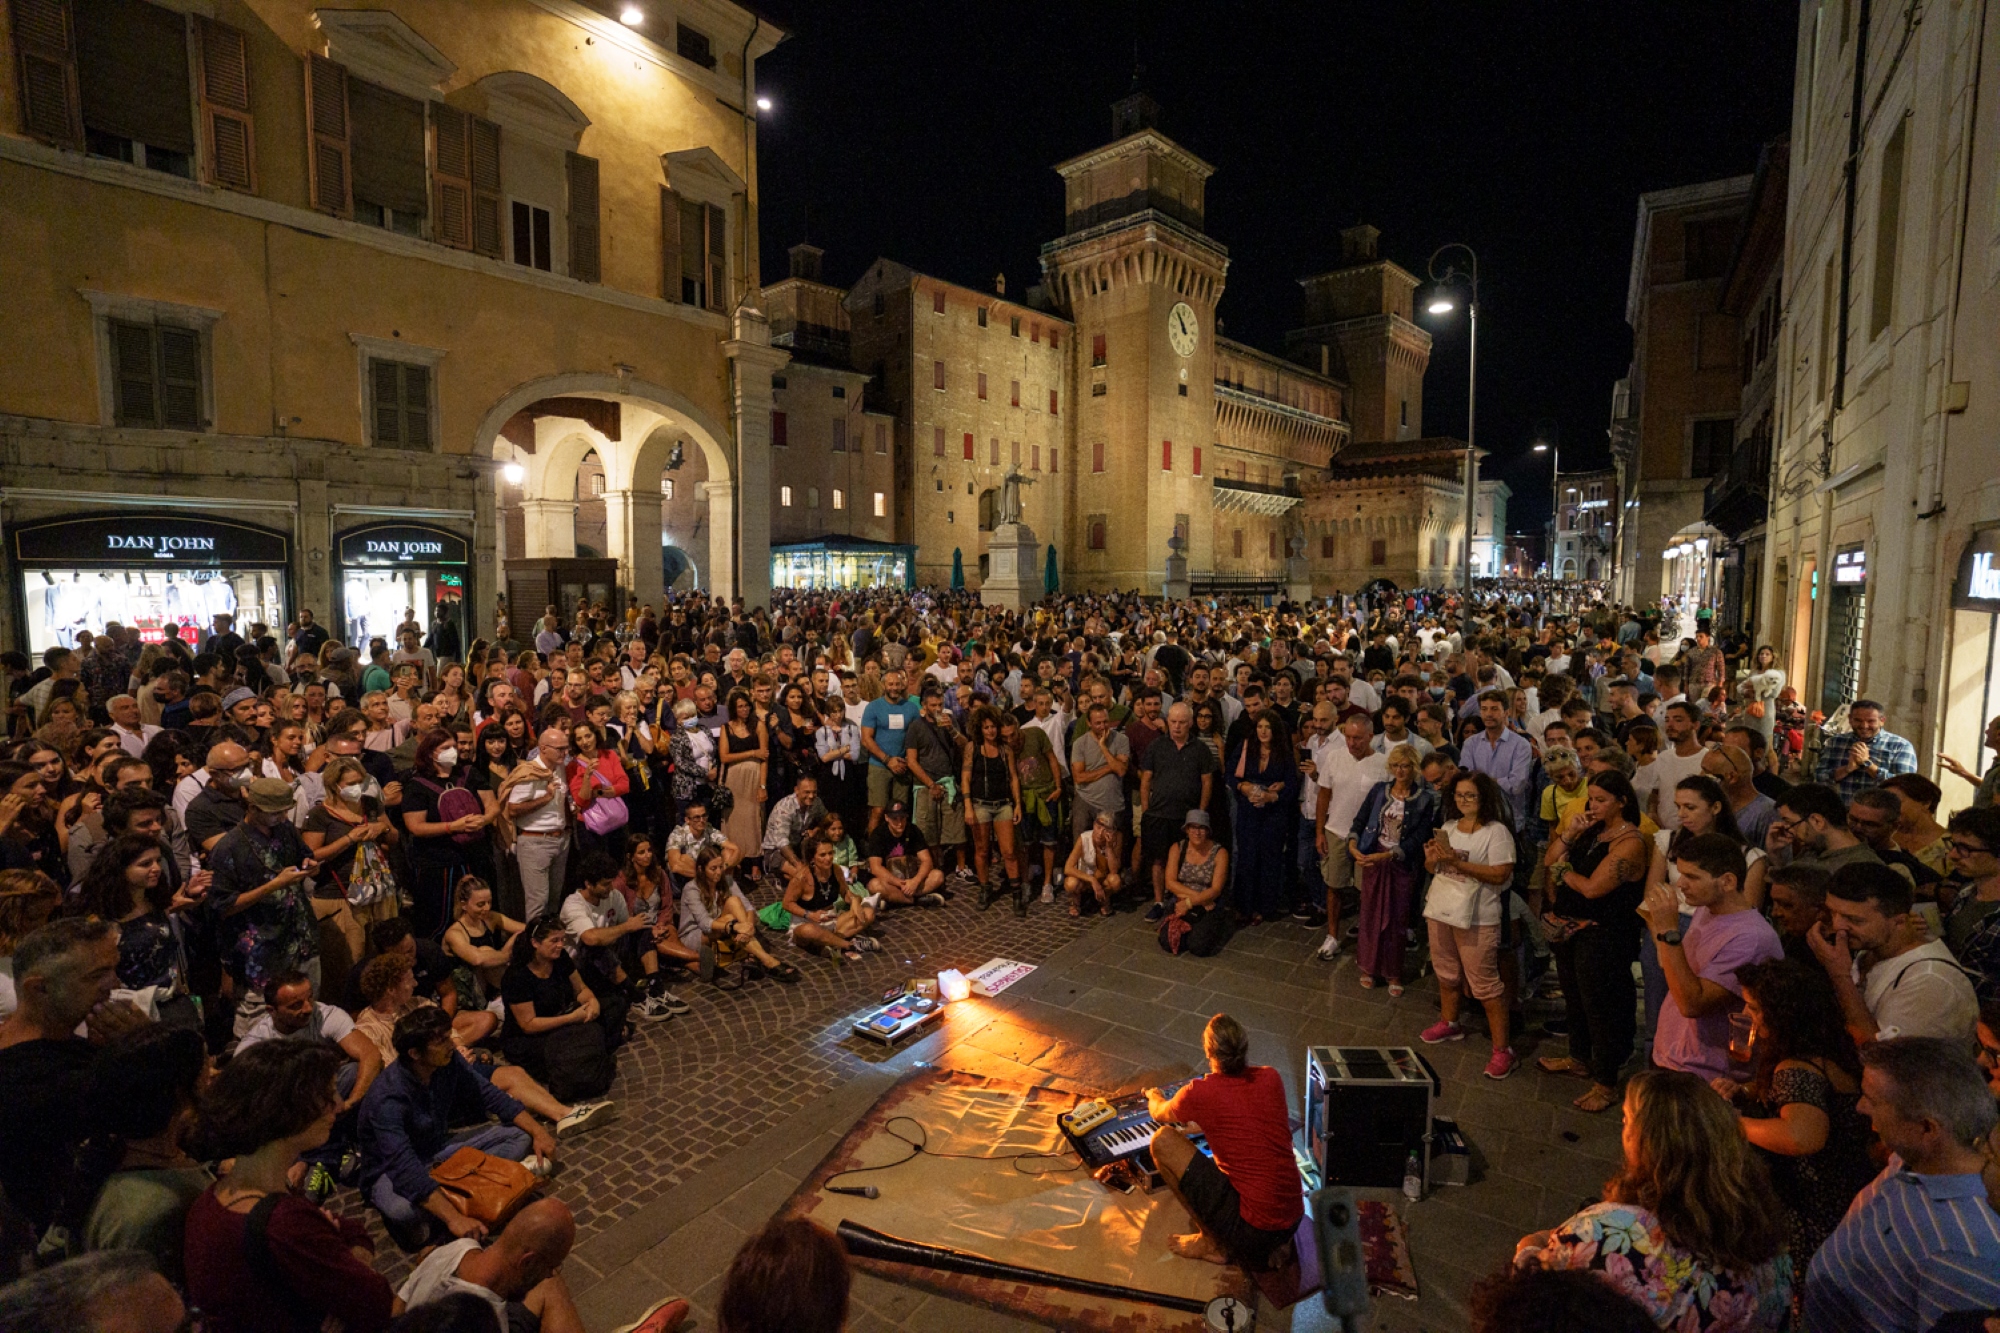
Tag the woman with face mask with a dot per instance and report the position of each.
(342, 829)
(436, 809)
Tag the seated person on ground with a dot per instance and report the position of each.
(820, 909)
(900, 868)
(391, 987)
(545, 992)
(407, 1128)
(296, 1015)
(480, 941)
(649, 895)
(1247, 1201)
(604, 940)
(692, 837)
(715, 915)
(1092, 870)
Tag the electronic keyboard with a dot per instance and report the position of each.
(1119, 1129)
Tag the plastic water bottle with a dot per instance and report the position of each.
(1413, 1179)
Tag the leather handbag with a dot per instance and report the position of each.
(485, 1188)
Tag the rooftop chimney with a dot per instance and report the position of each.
(805, 261)
(1000, 284)
(1357, 244)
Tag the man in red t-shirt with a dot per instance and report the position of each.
(1247, 1202)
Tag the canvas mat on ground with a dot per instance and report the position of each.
(1061, 1222)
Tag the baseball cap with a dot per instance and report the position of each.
(270, 795)
(897, 810)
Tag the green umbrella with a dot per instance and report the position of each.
(957, 568)
(1049, 580)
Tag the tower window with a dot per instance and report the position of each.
(1052, 402)
(982, 386)
(937, 301)
(1166, 455)
(779, 438)
(982, 317)
(1097, 349)
(1378, 551)
(1326, 547)
(1016, 392)
(1014, 326)
(1197, 460)
(968, 446)
(785, 496)
(1097, 456)
(1053, 340)
(1052, 459)
(1035, 334)
(937, 442)
(937, 374)
(1096, 530)
(881, 505)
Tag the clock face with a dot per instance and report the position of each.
(1182, 328)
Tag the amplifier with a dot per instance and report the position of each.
(1367, 1109)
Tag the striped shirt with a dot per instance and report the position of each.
(1911, 1249)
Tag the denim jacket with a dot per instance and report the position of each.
(1420, 820)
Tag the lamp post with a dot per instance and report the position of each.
(1555, 500)
(1443, 303)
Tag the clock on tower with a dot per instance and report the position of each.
(1183, 329)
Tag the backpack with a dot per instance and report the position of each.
(577, 1062)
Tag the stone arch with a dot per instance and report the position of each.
(652, 419)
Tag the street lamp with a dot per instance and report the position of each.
(1443, 303)
(1555, 502)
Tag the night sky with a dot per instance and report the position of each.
(926, 132)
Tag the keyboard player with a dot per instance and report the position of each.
(1247, 1202)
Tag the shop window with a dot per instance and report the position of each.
(693, 44)
(780, 433)
(156, 372)
(694, 240)
(1378, 551)
(400, 404)
(1096, 532)
(881, 505)
(840, 435)
(531, 237)
(785, 497)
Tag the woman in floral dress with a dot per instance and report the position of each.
(1689, 1227)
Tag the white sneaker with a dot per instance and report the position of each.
(1329, 949)
(582, 1117)
(874, 901)
(1048, 893)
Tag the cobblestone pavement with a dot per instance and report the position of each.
(728, 1108)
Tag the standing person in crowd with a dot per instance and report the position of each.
(1504, 755)
(744, 750)
(349, 834)
(1799, 1107)
(933, 748)
(1038, 772)
(1972, 909)
(1987, 788)
(885, 725)
(1892, 980)
(1687, 1227)
(1921, 1240)
(261, 895)
(260, 1256)
(1700, 960)
(1812, 820)
(1264, 774)
(1348, 769)
(1865, 755)
(992, 792)
(598, 786)
(1918, 831)
(1597, 871)
(1098, 762)
(1700, 808)
(1471, 860)
(536, 802)
(1176, 775)
(1391, 837)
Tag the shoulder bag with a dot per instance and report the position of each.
(485, 1188)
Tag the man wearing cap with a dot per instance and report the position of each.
(240, 706)
(262, 897)
(899, 862)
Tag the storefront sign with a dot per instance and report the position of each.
(401, 544)
(114, 540)
(1977, 587)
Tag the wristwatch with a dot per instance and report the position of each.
(1668, 936)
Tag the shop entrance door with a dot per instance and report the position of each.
(378, 601)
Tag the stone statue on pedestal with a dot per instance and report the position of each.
(1009, 508)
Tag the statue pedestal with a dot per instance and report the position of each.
(1175, 587)
(1298, 577)
(1014, 574)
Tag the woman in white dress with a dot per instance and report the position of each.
(1760, 689)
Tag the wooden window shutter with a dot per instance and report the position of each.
(225, 105)
(327, 125)
(485, 187)
(718, 267)
(132, 371)
(670, 245)
(451, 176)
(586, 233)
(44, 33)
(416, 407)
(388, 393)
(180, 378)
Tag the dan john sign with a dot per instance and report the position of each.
(101, 540)
(401, 544)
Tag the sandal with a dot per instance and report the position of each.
(1367, 982)
(1562, 1064)
(1075, 910)
(848, 955)
(786, 973)
(1598, 1099)
(1395, 990)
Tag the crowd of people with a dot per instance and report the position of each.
(330, 914)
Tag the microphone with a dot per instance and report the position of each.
(858, 1191)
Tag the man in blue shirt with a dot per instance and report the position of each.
(1865, 755)
(1920, 1241)
(405, 1130)
(1503, 754)
(884, 731)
